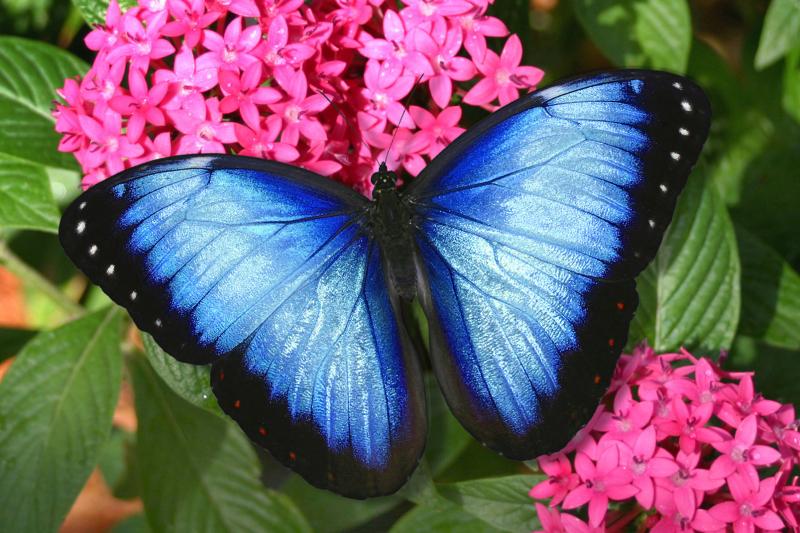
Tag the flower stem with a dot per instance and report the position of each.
(32, 278)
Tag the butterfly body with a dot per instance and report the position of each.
(521, 240)
(391, 224)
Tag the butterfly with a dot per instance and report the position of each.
(521, 240)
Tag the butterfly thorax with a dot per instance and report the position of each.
(390, 223)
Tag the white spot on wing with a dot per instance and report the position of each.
(684, 132)
(80, 227)
(677, 85)
(686, 105)
(93, 249)
(675, 156)
(110, 269)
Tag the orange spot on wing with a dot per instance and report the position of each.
(292, 456)
(597, 379)
(620, 305)
(237, 404)
(611, 342)
(263, 431)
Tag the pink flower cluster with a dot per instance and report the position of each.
(682, 445)
(318, 84)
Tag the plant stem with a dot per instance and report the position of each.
(32, 278)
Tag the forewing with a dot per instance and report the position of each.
(265, 271)
(531, 229)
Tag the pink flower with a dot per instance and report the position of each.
(688, 423)
(244, 8)
(142, 44)
(672, 519)
(223, 73)
(108, 147)
(628, 418)
(202, 127)
(386, 85)
(108, 35)
(406, 151)
(436, 132)
(560, 479)
(741, 455)
(713, 478)
(277, 52)
(504, 78)
(396, 47)
(426, 11)
(191, 19)
(299, 110)
(236, 48)
(156, 148)
(688, 485)
(476, 27)
(601, 482)
(263, 143)
(244, 94)
(749, 508)
(142, 106)
(189, 76)
(645, 462)
(555, 522)
(742, 401)
(441, 45)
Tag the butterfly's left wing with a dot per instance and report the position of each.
(265, 270)
(531, 228)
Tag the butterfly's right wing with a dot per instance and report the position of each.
(264, 270)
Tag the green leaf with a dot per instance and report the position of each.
(690, 295)
(328, 512)
(744, 136)
(58, 399)
(501, 502)
(780, 33)
(420, 487)
(791, 84)
(94, 11)
(639, 33)
(135, 524)
(770, 293)
(25, 198)
(442, 516)
(770, 190)
(30, 73)
(447, 438)
(775, 368)
(190, 382)
(198, 472)
(12, 340)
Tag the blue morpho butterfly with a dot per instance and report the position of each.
(521, 241)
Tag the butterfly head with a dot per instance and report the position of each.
(383, 180)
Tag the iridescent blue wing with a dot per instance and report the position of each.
(531, 228)
(265, 270)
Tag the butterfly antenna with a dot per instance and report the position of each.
(402, 115)
(338, 110)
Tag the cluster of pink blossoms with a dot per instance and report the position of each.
(317, 84)
(682, 445)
